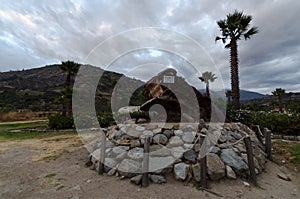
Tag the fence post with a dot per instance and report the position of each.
(258, 133)
(102, 155)
(268, 143)
(250, 160)
(203, 165)
(145, 179)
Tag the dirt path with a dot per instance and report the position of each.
(54, 168)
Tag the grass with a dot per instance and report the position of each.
(293, 148)
(5, 133)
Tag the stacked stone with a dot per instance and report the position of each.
(175, 149)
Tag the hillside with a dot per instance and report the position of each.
(36, 89)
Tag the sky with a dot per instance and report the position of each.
(38, 33)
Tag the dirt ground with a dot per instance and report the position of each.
(54, 168)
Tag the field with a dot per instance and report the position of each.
(52, 165)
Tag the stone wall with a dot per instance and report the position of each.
(175, 149)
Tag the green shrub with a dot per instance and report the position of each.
(60, 122)
(276, 122)
(105, 119)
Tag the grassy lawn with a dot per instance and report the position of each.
(5, 133)
(293, 148)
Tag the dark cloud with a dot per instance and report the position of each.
(35, 33)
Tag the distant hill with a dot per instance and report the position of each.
(36, 89)
(250, 95)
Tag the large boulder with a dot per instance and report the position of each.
(232, 159)
(129, 168)
(215, 167)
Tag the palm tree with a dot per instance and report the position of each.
(279, 92)
(233, 28)
(71, 68)
(206, 78)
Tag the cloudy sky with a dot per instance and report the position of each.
(37, 33)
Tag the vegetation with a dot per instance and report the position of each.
(282, 123)
(233, 28)
(5, 131)
(292, 148)
(60, 122)
(279, 92)
(206, 78)
(71, 68)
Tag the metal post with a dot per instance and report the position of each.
(203, 165)
(102, 155)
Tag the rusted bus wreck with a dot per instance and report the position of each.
(181, 101)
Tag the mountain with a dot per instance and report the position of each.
(250, 95)
(36, 89)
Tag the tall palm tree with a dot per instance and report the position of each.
(206, 78)
(279, 92)
(71, 68)
(233, 28)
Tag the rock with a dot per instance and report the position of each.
(188, 146)
(215, 167)
(109, 163)
(156, 150)
(160, 163)
(230, 173)
(140, 128)
(190, 127)
(136, 153)
(95, 155)
(136, 179)
(151, 126)
(177, 152)
(156, 131)
(148, 133)
(119, 149)
(188, 137)
(175, 141)
(112, 172)
(190, 155)
(76, 188)
(135, 143)
(246, 184)
(178, 132)
(196, 172)
(168, 133)
(283, 176)
(215, 149)
(181, 171)
(129, 168)
(158, 179)
(121, 156)
(241, 148)
(201, 124)
(160, 139)
(134, 133)
(230, 158)
(75, 197)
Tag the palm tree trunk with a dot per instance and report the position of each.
(207, 89)
(234, 74)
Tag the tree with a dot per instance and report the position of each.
(233, 28)
(228, 95)
(279, 92)
(70, 68)
(206, 78)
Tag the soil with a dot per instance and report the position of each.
(55, 168)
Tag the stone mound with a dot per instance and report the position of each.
(176, 149)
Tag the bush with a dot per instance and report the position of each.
(276, 122)
(105, 119)
(60, 122)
